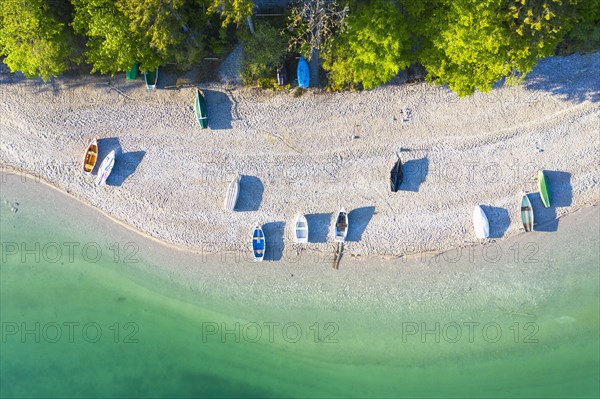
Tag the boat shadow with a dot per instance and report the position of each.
(274, 232)
(544, 218)
(559, 185)
(498, 219)
(126, 163)
(318, 226)
(415, 172)
(250, 195)
(220, 109)
(358, 219)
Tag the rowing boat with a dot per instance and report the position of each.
(90, 157)
(201, 110)
(105, 168)
(258, 244)
(526, 213)
(396, 176)
(301, 233)
(544, 188)
(303, 73)
(480, 222)
(232, 193)
(341, 226)
(151, 78)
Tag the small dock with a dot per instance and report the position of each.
(338, 255)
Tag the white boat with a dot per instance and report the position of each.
(341, 226)
(301, 233)
(480, 222)
(232, 193)
(105, 168)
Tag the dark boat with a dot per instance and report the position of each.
(282, 78)
(396, 176)
(201, 110)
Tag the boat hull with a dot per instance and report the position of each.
(201, 110)
(232, 194)
(90, 157)
(526, 213)
(341, 226)
(303, 73)
(544, 189)
(301, 233)
(396, 176)
(105, 168)
(151, 78)
(258, 244)
(480, 223)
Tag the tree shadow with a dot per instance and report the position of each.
(415, 172)
(219, 109)
(318, 226)
(358, 219)
(125, 163)
(498, 219)
(544, 218)
(573, 78)
(250, 195)
(274, 232)
(559, 185)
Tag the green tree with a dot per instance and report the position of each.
(373, 49)
(32, 39)
(150, 32)
(471, 44)
(263, 53)
(112, 46)
(233, 11)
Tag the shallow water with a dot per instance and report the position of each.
(89, 311)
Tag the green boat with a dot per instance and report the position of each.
(201, 110)
(151, 78)
(132, 73)
(526, 213)
(544, 189)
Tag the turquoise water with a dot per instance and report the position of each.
(106, 319)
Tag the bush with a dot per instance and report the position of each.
(263, 53)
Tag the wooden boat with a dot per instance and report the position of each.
(201, 110)
(132, 73)
(480, 222)
(341, 226)
(90, 157)
(232, 194)
(301, 233)
(303, 73)
(258, 244)
(396, 176)
(544, 189)
(282, 78)
(151, 78)
(105, 168)
(526, 213)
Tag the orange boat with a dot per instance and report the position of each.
(91, 156)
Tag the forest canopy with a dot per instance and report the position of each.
(466, 44)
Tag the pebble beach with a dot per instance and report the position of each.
(313, 154)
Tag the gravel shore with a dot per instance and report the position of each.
(313, 154)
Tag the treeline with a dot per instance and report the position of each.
(467, 44)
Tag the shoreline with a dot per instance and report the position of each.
(313, 154)
(410, 256)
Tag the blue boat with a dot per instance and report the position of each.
(258, 244)
(303, 73)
